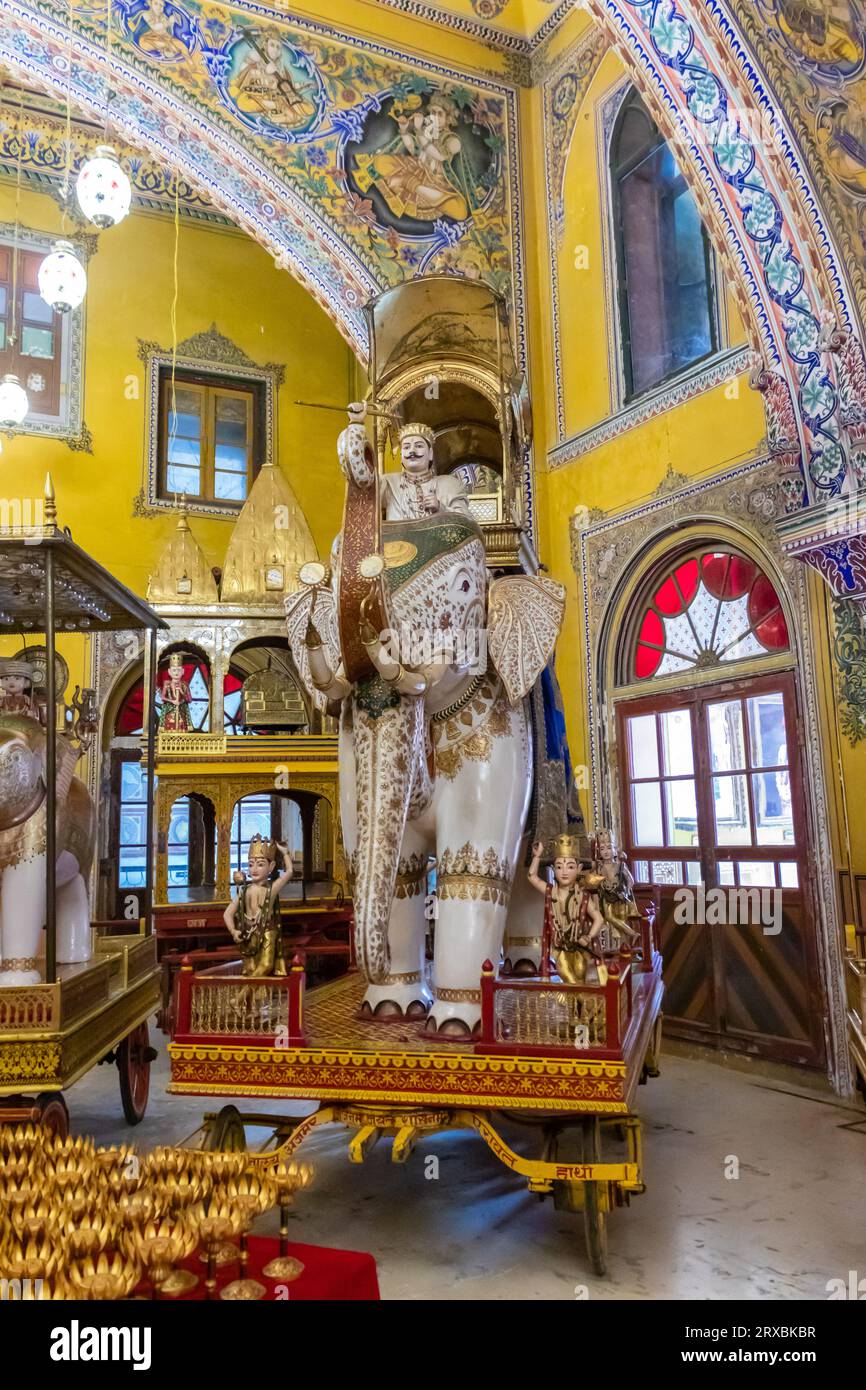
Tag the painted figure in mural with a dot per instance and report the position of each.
(23, 739)
(823, 31)
(419, 174)
(156, 37)
(436, 742)
(417, 490)
(841, 131)
(16, 689)
(575, 919)
(253, 917)
(616, 890)
(266, 85)
(174, 716)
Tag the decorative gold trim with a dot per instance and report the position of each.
(408, 977)
(471, 887)
(19, 963)
(457, 996)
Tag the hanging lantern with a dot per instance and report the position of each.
(62, 278)
(14, 404)
(104, 191)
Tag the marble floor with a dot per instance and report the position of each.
(794, 1218)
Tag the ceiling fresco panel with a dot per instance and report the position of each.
(814, 53)
(357, 166)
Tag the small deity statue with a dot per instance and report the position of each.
(417, 490)
(16, 689)
(253, 917)
(616, 890)
(174, 715)
(572, 918)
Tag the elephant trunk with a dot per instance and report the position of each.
(389, 757)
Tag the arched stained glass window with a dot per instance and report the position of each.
(713, 607)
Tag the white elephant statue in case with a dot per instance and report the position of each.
(435, 747)
(23, 823)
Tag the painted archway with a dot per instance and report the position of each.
(704, 85)
(295, 132)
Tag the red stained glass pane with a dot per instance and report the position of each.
(651, 629)
(687, 579)
(728, 576)
(232, 683)
(130, 716)
(767, 616)
(646, 662)
(673, 598)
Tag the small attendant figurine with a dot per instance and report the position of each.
(174, 716)
(572, 917)
(16, 689)
(616, 890)
(253, 917)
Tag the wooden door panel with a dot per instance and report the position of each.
(687, 969)
(768, 984)
(733, 984)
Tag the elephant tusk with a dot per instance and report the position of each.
(406, 682)
(335, 687)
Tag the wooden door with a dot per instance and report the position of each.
(714, 803)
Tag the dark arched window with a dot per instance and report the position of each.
(664, 276)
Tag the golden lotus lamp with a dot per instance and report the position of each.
(104, 1276)
(179, 1190)
(215, 1224)
(135, 1208)
(287, 1178)
(162, 1244)
(30, 1257)
(221, 1165)
(89, 1232)
(252, 1193)
(31, 1218)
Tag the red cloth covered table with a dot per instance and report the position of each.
(329, 1275)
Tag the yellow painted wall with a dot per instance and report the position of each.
(704, 435)
(226, 279)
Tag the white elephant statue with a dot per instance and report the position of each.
(22, 850)
(435, 749)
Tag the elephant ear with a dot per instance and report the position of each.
(299, 608)
(524, 618)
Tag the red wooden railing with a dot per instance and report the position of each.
(220, 1005)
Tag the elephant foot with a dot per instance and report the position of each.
(521, 970)
(457, 1022)
(391, 1003)
(19, 977)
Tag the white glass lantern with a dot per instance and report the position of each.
(62, 278)
(104, 191)
(14, 404)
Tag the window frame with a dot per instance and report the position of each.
(210, 387)
(63, 420)
(211, 357)
(623, 373)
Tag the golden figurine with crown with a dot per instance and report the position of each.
(253, 917)
(573, 920)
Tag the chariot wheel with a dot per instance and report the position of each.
(134, 1056)
(594, 1217)
(652, 1061)
(226, 1133)
(53, 1114)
